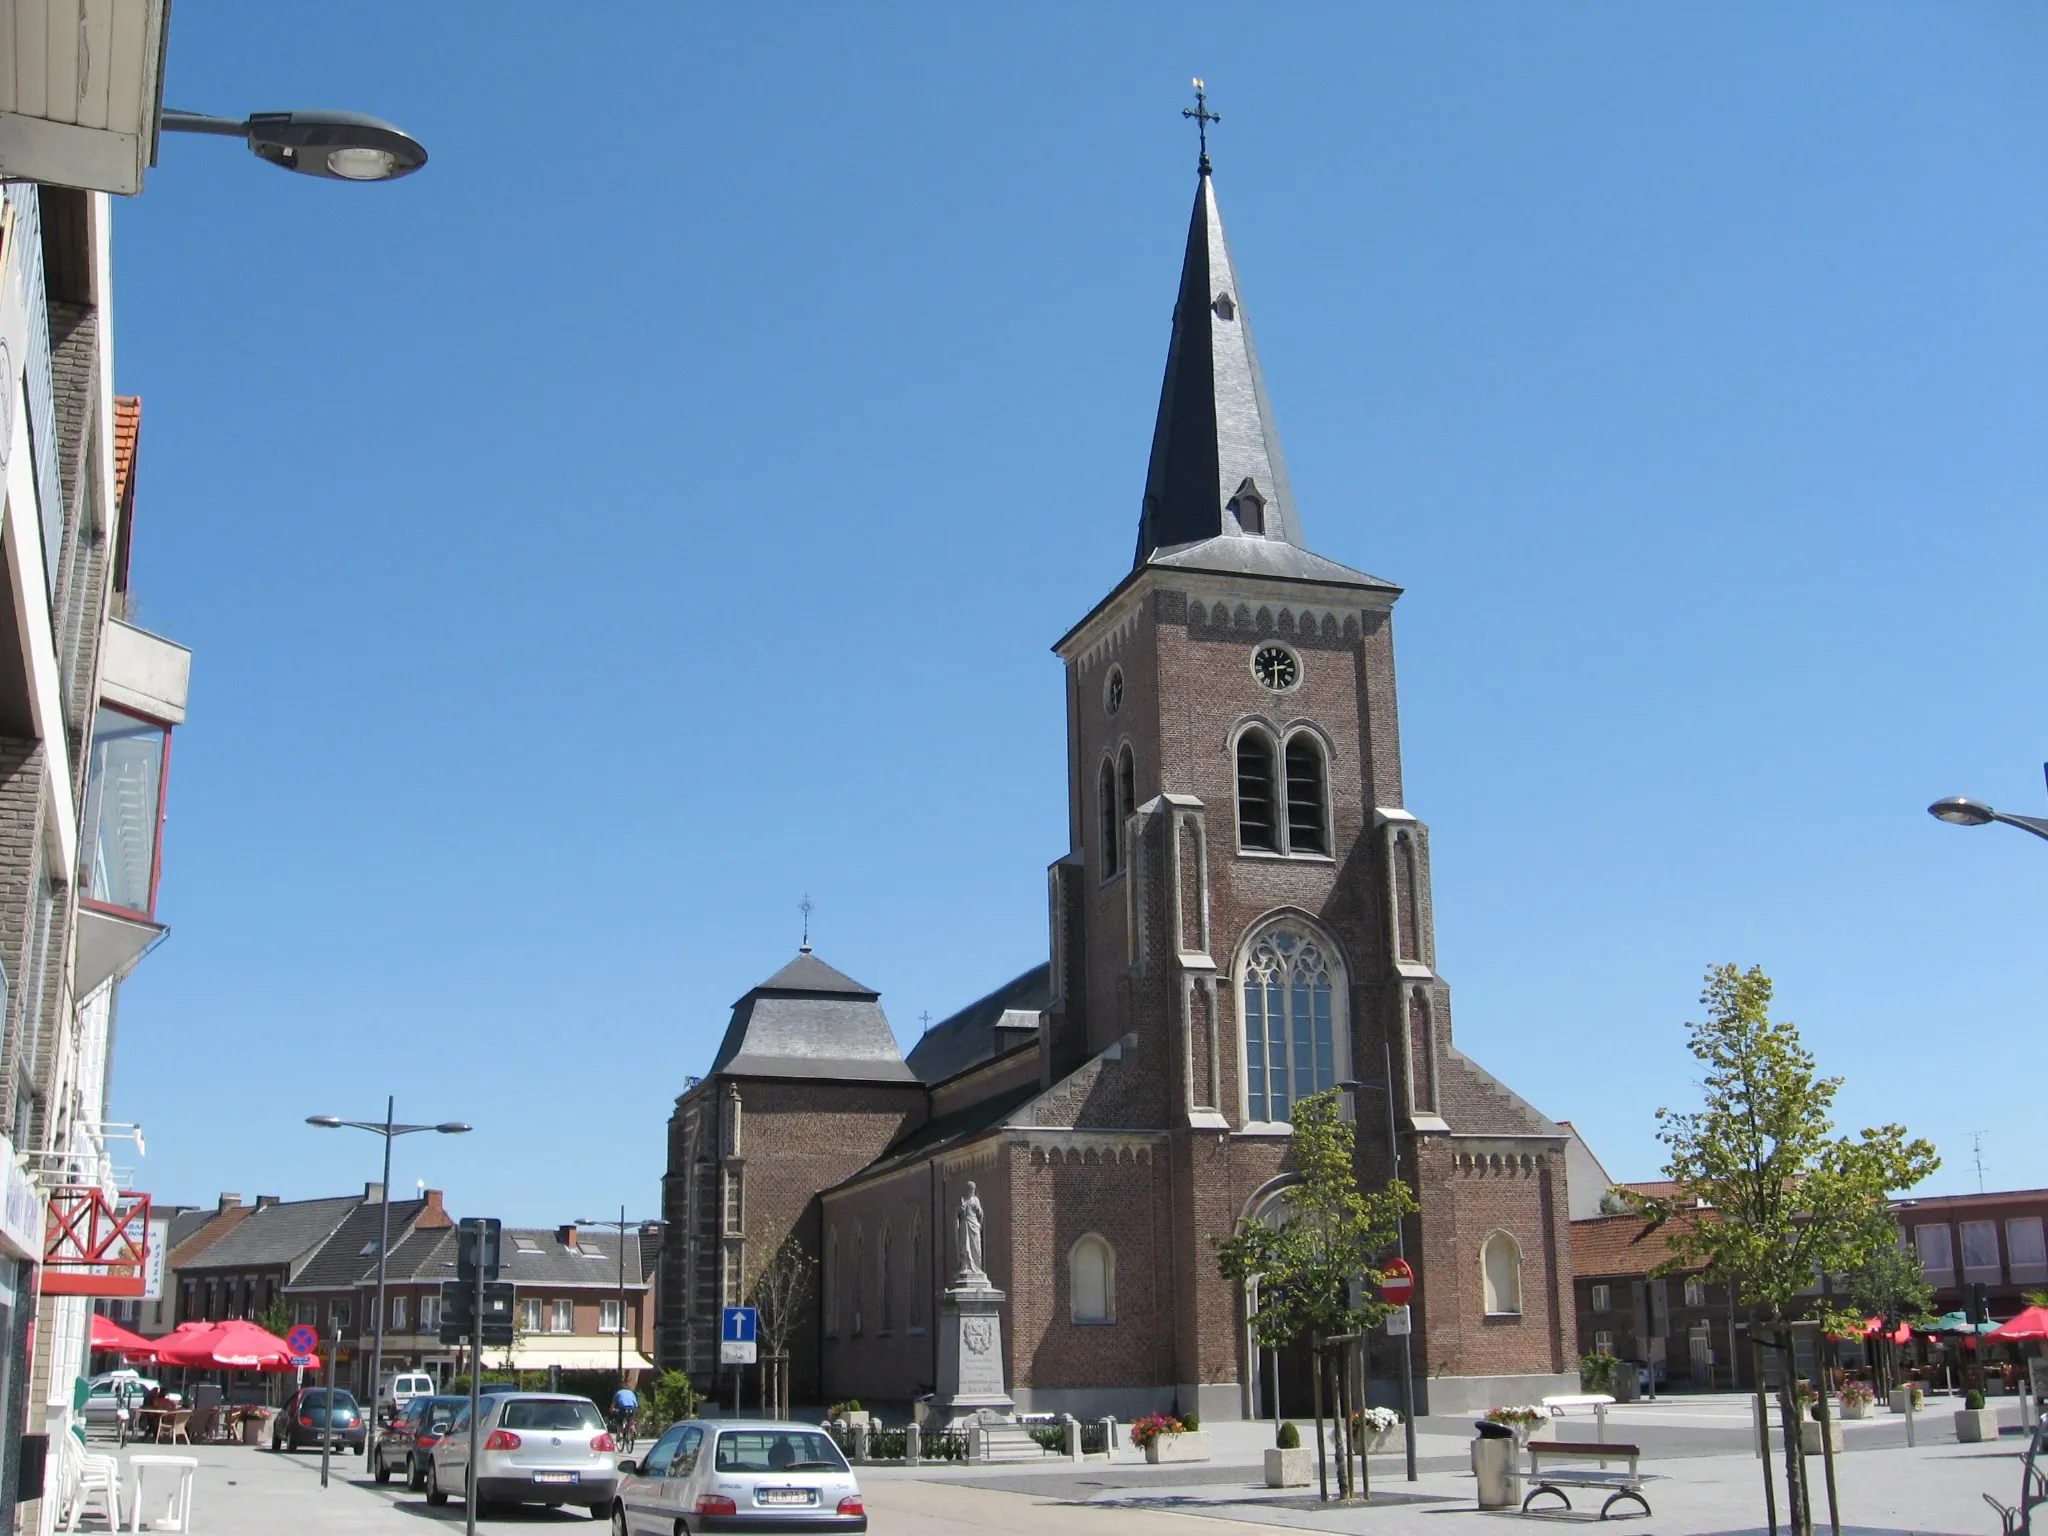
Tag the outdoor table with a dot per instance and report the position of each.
(1599, 1402)
(177, 1515)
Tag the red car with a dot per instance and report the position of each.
(408, 1439)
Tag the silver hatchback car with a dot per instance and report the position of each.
(532, 1448)
(738, 1475)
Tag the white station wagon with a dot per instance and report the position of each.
(738, 1475)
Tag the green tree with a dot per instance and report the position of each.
(1890, 1286)
(1316, 1273)
(672, 1397)
(782, 1288)
(1790, 1199)
(276, 1318)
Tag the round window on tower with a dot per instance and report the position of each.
(1275, 666)
(1113, 691)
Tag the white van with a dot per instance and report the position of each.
(394, 1392)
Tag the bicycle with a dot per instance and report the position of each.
(625, 1429)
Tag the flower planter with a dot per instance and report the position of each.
(1189, 1445)
(1294, 1468)
(1855, 1407)
(1976, 1424)
(1809, 1436)
(1900, 1400)
(1373, 1441)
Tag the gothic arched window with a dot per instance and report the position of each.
(1112, 827)
(833, 1285)
(1306, 801)
(856, 1280)
(1091, 1280)
(1500, 1264)
(1126, 796)
(1294, 1027)
(1257, 825)
(915, 1269)
(885, 1307)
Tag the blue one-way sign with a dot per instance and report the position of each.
(736, 1327)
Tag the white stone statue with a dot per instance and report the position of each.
(967, 1236)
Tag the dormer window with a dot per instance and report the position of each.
(1249, 508)
(1225, 307)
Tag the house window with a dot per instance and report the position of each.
(561, 1315)
(1500, 1263)
(1603, 1343)
(1603, 1299)
(1980, 1250)
(1257, 826)
(1937, 1257)
(123, 810)
(212, 1300)
(1695, 1292)
(337, 1317)
(608, 1317)
(529, 1314)
(1293, 1024)
(2024, 1249)
(398, 1314)
(1306, 828)
(430, 1314)
(1091, 1280)
(307, 1312)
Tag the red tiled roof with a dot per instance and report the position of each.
(1653, 1189)
(127, 432)
(1625, 1245)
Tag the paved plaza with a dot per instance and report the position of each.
(1699, 1448)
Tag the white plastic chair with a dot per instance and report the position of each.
(88, 1481)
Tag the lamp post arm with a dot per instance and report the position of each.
(2037, 825)
(199, 122)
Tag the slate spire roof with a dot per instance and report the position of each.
(1215, 434)
(1217, 496)
(809, 1020)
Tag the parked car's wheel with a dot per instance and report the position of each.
(435, 1493)
(363, 1449)
(382, 1471)
(618, 1519)
(415, 1479)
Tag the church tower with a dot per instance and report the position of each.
(1244, 916)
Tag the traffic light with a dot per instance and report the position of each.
(458, 1301)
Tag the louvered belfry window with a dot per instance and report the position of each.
(1257, 826)
(1305, 825)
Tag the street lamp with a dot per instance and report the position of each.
(1959, 812)
(1386, 1086)
(343, 146)
(389, 1129)
(622, 1227)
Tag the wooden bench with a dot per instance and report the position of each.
(1623, 1485)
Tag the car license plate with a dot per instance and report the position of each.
(554, 1477)
(787, 1496)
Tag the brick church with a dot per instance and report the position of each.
(1243, 918)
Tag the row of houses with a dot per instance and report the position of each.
(1997, 1240)
(581, 1293)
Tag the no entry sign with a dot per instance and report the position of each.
(1399, 1284)
(302, 1340)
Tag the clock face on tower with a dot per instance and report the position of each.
(1276, 667)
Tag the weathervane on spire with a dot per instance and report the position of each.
(806, 908)
(1203, 118)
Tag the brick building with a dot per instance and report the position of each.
(1994, 1240)
(1243, 918)
(1625, 1312)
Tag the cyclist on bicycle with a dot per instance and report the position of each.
(625, 1411)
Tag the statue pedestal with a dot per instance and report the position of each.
(971, 1355)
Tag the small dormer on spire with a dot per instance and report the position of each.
(1216, 464)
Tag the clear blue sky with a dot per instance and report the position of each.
(662, 505)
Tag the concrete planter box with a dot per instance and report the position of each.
(1901, 1400)
(1854, 1408)
(1976, 1424)
(1809, 1436)
(1289, 1469)
(1193, 1445)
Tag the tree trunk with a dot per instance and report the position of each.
(1798, 1507)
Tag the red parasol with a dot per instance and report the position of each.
(109, 1337)
(1874, 1328)
(233, 1345)
(2030, 1324)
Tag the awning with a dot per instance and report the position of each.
(2030, 1324)
(109, 1337)
(572, 1352)
(109, 946)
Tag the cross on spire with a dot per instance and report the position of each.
(807, 909)
(1203, 118)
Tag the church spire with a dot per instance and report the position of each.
(1216, 463)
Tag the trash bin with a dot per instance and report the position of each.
(1495, 1465)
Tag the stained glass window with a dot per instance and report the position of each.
(1290, 1040)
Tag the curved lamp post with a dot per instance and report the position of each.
(622, 1227)
(343, 146)
(389, 1129)
(1959, 812)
